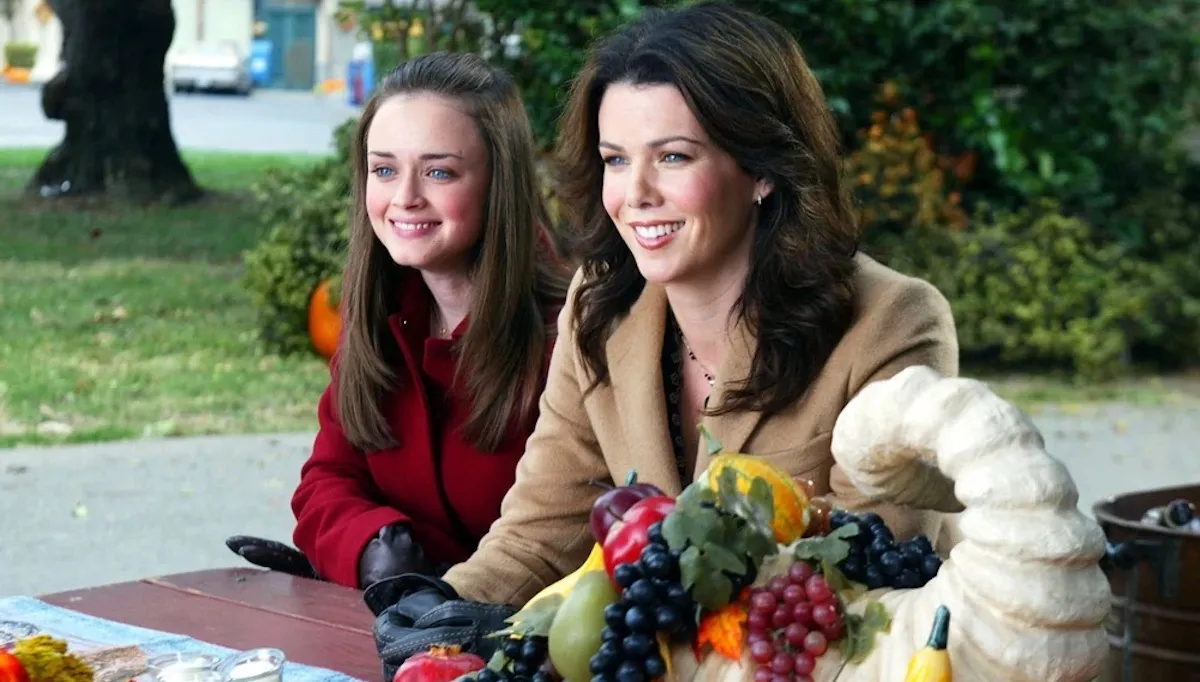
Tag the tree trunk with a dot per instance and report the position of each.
(112, 96)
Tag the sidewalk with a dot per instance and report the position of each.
(80, 515)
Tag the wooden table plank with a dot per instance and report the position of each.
(227, 624)
(302, 598)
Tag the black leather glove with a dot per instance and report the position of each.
(390, 553)
(415, 612)
(273, 555)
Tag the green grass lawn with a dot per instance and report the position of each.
(122, 323)
(117, 323)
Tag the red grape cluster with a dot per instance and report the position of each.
(791, 622)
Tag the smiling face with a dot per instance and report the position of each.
(682, 205)
(427, 182)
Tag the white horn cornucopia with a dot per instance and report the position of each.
(1022, 579)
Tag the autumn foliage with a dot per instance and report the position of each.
(724, 630)
(898, 180)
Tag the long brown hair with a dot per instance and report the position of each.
(517, 277)
(746, 81)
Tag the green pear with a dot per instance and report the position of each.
(577, 626)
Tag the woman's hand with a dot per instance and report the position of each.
(416, 612)
(391, 553)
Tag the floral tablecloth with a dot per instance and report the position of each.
(21, 616)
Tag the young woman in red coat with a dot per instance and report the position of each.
(450, 300)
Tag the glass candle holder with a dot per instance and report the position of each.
(184, 667)
(256, 665)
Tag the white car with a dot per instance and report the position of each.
(211, 66)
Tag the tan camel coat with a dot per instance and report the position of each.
(543, 532)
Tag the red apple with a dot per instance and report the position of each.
(609, 507)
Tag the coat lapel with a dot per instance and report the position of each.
(732, 430)
(635, 370)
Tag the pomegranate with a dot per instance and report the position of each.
(439, 664)
(11, 668)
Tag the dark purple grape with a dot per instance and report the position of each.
(912, 555)
(639, 619)
(871, 519)
(930, 565)
(853, 568)
(655, 666)
(890, 563)
(881, 545)
(614, 615)
(626, 575)
(874, 577)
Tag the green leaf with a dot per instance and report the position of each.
(877, 618)
(689, 567)
(727, 488)
(861, 630)
(714, 445)
(832, 548)
(760, 546)
(836, 580)
(724, 560)
(695, 494)
(708, 585)
(534, 620)
(762, 499)
(498, 660)
(678, 527)
(691, 526)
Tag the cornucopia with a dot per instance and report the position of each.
(727, 583)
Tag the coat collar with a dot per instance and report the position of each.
(634, 364)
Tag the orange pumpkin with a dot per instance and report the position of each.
(16, 74)
(324, 321)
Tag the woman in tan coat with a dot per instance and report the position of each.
(721, 284)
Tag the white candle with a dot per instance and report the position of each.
(253, 668)
(185, 671)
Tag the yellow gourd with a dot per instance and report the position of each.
(563, 586)
(932, 662)
(791, 501)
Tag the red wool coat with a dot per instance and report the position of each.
(434, 479)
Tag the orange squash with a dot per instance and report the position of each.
(324, 321)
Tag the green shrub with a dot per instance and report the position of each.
(1075, 100)
(1072, 100)
(1032, 287)
(1170, 224)
(306, 212)
(20, 55)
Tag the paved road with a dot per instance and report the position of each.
(83, 515)
(267, 121)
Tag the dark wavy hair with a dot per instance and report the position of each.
(748, 85)
(517, 275)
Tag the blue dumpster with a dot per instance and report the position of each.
(260, 62)
(360, 81)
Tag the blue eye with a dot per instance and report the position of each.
(613, 160)
(674, 157)
(440, 174)
(380, 170)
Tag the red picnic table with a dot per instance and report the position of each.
(314, 623)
